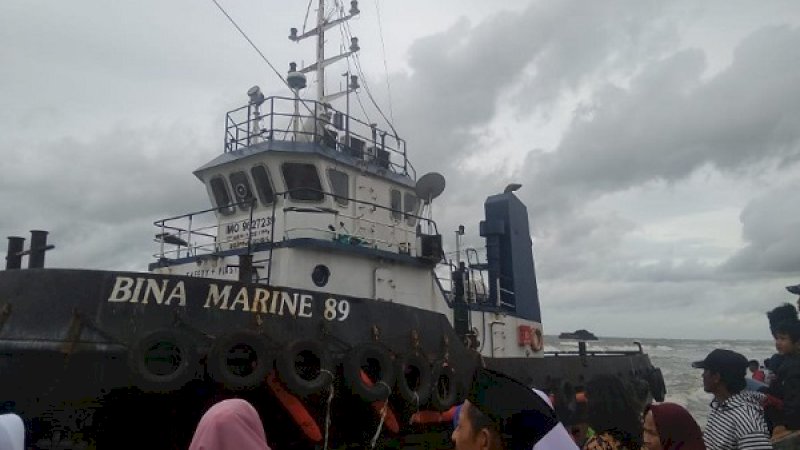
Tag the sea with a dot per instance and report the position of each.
(674, 357)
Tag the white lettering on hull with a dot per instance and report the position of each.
(259, 300)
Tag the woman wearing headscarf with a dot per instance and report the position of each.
(230, 425)
(668, 426)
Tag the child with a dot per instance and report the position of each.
(787, 382)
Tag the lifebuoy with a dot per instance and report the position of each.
(537, 340)
(414, 379)
(163, 360)
(445, 391)
(377, 363)
(240, 360)
(295, 408)
(427, 416)
(305, 366)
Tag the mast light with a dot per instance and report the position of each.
(354, 82)
(354, 8)
(295, 79)
(256, 96)
(354, 45)
(293, 34)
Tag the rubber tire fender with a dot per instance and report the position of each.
(423, 392)
(150, 381)
(287, 369)
(443, 373)
(359, 356)
(218, 366)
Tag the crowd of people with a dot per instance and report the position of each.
(501, 413)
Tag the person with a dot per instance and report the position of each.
(501, 413)
(12, 432)
(736, 420)
(613, 414)
(786, 385)
(755, 371)
(231, 424)
(669, 426)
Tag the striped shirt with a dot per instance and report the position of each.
(737, 424)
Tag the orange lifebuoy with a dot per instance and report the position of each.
(537, 340)
(427, 416)
(390, 420)
(295, 408)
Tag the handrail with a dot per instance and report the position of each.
(195, 235)
(243, 132)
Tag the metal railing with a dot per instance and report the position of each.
(287, 119)
(198, 233)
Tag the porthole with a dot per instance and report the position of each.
(320, 275)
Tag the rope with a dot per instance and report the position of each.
(383, 415)
(328, 415)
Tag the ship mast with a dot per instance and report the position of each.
(319, 66)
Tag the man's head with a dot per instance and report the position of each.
(753, 365)
(475, 431)
(786, 311)
(723, 372)
(787, 337)
(501, 413)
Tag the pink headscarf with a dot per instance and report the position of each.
(677, 428)
(230, 425)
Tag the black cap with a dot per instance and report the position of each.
(520, 415)
(723, 361)
(794, 289)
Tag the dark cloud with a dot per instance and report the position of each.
(770, 225)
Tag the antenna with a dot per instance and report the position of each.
(321, 63)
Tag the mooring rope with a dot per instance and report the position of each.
(383, 415)
(328, 409)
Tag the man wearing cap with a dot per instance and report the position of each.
(501, 413)
(736, 420)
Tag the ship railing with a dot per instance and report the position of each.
(197, 233)
(284, 119)
(350, 228)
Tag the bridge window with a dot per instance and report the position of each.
(221, 195)
(340, 183)
(241, 189)
(263, 185)
(410, 208)
(396, 203)
(302, 182)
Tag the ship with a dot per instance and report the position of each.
(581, 335)
(315, 285)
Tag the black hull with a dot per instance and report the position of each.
(67, 338)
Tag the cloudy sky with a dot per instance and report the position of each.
(658, 143)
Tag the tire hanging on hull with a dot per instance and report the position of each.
(377, 363)
(445, 390)
(305, 366)
(240, 360)
(414, 379)
(163, 360)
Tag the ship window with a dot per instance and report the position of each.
(241, 190)
(221, 195)
(263, 185)
(396, 204)
(410, 208)
(302, 182)
(339, 186)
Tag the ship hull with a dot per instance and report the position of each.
(70, 344)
